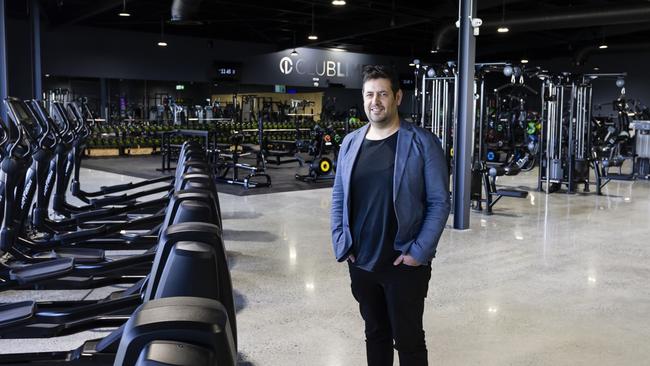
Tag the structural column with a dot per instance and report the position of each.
(3, 61)
(37, 78)
(463, 130)
(103, 103)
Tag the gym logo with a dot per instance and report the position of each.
(302, 67)
(286, 65)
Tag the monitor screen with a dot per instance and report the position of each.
(21, 113)
(55, 114)
(24, 117)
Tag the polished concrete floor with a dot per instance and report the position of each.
(547, 280)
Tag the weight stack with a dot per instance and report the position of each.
(643, 168)
(643, 141)
(556, 171)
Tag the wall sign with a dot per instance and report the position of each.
(343, 69)
(301, 66)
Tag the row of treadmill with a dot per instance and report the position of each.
(176, 306)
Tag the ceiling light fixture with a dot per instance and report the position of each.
(124, 13)
(502, 28)
(338, 2)
(294, 52)
(162, 42)
(524, 61)
(603, 44)
(434, 48)
(312, 35)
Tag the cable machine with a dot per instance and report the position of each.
(438, 113)
(438, 105)
(565, 142)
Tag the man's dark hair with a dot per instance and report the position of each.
(381, 72)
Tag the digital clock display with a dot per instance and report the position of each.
(227, 71)
(407, 81)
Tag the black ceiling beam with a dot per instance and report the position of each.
(95, 9)
(440, 10)
(203, 21)
(450, 8)
(494, 47)
(582, 54)
(365, 33)
(577, 18)
(268, 9)
(383, 10)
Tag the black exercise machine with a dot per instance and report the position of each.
(320, 167)
(254, 178)
(484, 178)
(176, 324)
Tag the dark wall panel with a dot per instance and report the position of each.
(637, 82)
(19, 56)
(635, 64)
(91, 52)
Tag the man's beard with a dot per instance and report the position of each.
(381, 121)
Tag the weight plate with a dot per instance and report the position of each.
(324, 165)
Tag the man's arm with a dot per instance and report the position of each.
(436, 183)
(336, 213)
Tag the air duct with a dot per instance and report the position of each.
(184, 11)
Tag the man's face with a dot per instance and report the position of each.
(379, 102)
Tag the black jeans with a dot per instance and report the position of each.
(392, 304)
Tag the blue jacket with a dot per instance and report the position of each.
(420, 192)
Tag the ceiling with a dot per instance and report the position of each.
(539, 29)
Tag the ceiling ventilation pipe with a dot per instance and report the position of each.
(572, 19)
(183, 11)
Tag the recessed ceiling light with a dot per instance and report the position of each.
(603, 46)
(411, 64)
(162, 44)
(524, 61)
(124, 14)
(338, 2)
(434, 51)
(503, 30)
(596, 68)
(312, 37)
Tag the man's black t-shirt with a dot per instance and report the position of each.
(373, 221)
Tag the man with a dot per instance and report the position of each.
(390, 204)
